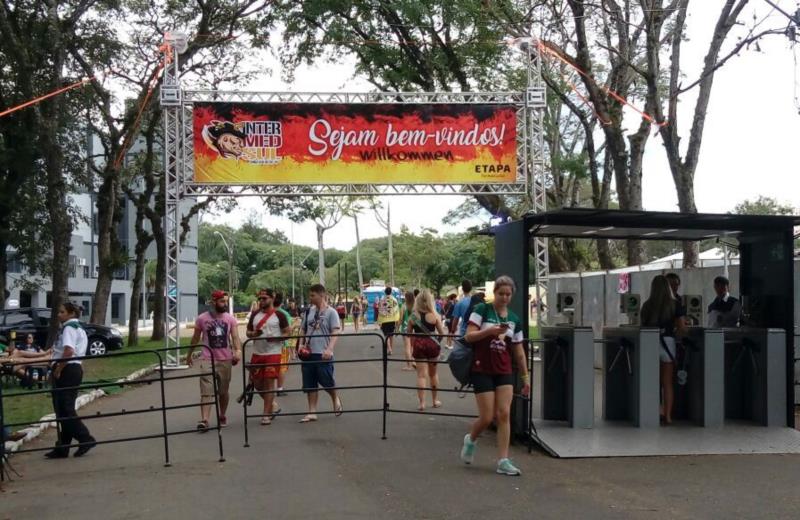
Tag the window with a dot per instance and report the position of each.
(43, 317)
(86, 271)
(14, 263)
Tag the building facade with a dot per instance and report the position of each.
(84, 264)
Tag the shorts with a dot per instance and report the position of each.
(451, 325)
(223, 372)
(388, 328)
(317, 374)
(669, 342)
(482, 383)
(424, 348)
(259, 374)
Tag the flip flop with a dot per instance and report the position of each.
(276, 412)
(266, 421)
(437, 404)
(202, 426)
(339, 410)
(308, 418)
(407, 368)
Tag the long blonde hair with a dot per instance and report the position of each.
(424, 302)
(659, 309)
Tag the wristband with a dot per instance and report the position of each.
(526, 379)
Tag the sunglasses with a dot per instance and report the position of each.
(264, 297)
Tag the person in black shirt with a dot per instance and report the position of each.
(725, 310)
(661, 310)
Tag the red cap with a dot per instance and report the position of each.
(216, 295)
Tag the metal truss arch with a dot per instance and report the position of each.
(177, 107)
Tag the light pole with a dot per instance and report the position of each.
(229, 249)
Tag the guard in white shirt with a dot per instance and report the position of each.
(725, 310)
(68, 374)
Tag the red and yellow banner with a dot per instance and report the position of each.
(316, 143)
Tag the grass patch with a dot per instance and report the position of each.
(101, 370)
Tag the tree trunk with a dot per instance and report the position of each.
(358, 256)
(60, 222)
(321, 254)
(691, 249)
(143, 240)
(604, 254)
(106, 247)
(159, 290)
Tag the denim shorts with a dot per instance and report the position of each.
(317, 374)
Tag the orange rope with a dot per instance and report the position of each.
(143, 105)
(547, 50)
(46, 96)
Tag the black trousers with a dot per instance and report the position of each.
(64, 406)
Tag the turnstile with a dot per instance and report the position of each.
(755, 375)
(567, 389)
(631, 383)
(702, 399)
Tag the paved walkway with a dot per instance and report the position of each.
(340, 468)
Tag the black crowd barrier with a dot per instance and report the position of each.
(163, 408)
(289, 342)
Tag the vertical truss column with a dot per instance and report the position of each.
(173, 170)
(535, 102)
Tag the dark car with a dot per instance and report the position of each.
(36, 320)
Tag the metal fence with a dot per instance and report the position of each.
(248, 391)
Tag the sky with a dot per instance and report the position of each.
(750, 144)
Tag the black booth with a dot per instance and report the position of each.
(765, 243)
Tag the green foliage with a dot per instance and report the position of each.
(422, 259)
(763, 206)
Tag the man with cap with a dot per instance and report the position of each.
(220, 338)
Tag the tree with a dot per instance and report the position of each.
(763, 206)
(36, 63)
(683, 165)
(134, 60)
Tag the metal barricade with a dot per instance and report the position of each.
(247, 392)
(163, 408)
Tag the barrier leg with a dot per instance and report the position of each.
(163, 411)
(216, 406)
(244, 402)
(385, 384)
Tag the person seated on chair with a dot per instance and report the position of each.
(25, 372)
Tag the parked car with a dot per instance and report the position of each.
(36, 320)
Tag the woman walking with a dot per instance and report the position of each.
(663, 311)
(495, 334)
(355, 310)
(67, 375)
(408, 310)
(426, 349)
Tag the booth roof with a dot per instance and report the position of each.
(650, 225)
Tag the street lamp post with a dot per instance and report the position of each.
(229, 249)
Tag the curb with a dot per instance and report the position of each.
(35, 431)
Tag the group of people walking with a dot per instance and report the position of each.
(492, 329)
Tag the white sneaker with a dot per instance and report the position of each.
(506, 467)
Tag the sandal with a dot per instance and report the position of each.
(308, 418)
(266, 421)
(339, 408)
(437, 404)
(202, 426)
(274, 413)
(408, 368)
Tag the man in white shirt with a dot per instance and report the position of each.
(725, 310)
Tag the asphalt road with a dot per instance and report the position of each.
(341, 468)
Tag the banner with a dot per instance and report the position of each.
(325, 143)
